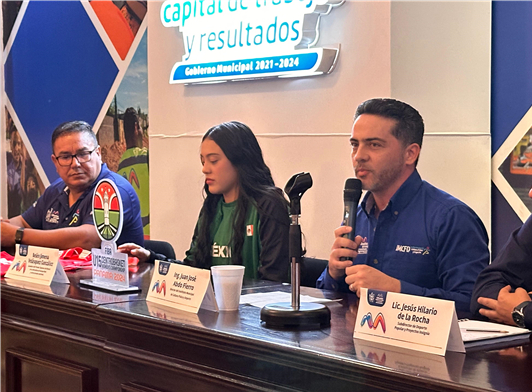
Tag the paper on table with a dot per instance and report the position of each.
(492, 330)
(263, 299)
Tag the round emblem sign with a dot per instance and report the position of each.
(107, 210)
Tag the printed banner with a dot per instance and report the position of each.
(230, 40)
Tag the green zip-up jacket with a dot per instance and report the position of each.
(265, 249)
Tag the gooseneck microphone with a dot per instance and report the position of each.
(302, 315)
(352, 193)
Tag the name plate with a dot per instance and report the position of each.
(109, 267)
(37, 265)
(181, 287)
(408, 321)
(109, 270)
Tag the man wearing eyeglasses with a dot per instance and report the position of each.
(62, 217)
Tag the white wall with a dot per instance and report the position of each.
(304, 124)
(441, 65)
(320, 105)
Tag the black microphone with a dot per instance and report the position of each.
(352, 193)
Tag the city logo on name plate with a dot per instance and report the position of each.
(374, 323)
(19, 266)
(107, 210)
(159, 287)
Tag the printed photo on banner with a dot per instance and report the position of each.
(24, 185)
(10, 10)
(517, 168)
(123, 134)
(121, 21)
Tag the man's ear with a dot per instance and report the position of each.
(412, 153)
(56, 164)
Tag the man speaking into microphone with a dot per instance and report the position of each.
(410, 237)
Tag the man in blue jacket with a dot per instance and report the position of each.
(62, 217)
(411, 237)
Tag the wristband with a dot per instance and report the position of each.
(18, 235)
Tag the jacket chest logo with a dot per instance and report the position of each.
(75, 218)
(222, 251)
(415, 250)
(52, 216)
(363, 248)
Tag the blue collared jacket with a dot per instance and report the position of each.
(52, 210)
(432, 242)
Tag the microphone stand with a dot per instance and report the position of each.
(296, 314)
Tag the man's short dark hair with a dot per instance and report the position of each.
(409, 128)
(12, 129)
(73, 127)
(130, 119)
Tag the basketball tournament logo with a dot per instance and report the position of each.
(107, 210)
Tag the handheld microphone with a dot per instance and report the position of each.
(352, 193)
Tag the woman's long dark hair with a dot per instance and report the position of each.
(240, 146)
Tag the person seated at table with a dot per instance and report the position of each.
(62, 217)
(502, 289)
(411, 237)
(244, 219)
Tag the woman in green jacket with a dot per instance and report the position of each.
(244, 219)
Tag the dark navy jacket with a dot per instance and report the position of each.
(429, 240)
(51, 210)
(512, 266)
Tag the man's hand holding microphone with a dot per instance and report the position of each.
(345, 249)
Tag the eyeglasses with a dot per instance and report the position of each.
(82, 157)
